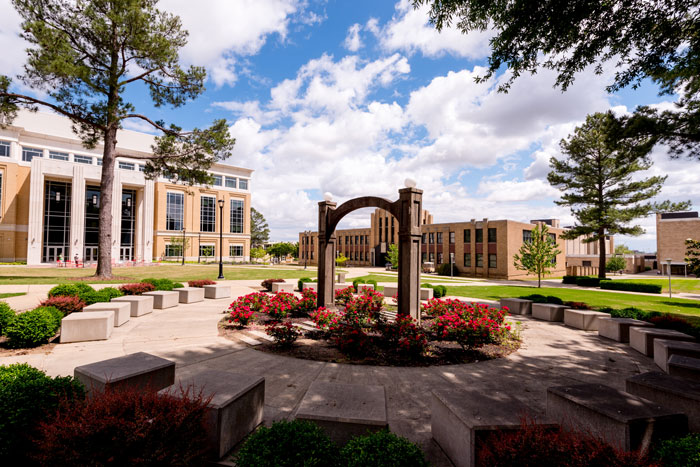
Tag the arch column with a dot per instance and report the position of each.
(410, 209)
(326, 254)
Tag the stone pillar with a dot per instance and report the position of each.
(149, 219)
(116, 214)
(36, 212)
(77, 213)
(326, 255)
(410, 209)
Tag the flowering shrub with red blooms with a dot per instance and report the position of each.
(324, 317)
(343, 296)
(472, 326)
(577, 305)
(361, 309)
(376, 299)
(349, 337)
(267, 283)
(126, 427)
(673, 322)
(405, 336)
(307, 303)
(284, 334)
(67, 304)
(437, 307)
(255, 301)
(200, 283)
(280, 305)
(241, 315)
(137, 289)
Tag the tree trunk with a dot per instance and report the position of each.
(104, 258)
(601, 251)
(539, 281)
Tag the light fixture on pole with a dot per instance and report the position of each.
(221, 239)
(668, 267)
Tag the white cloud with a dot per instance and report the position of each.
(352, 41)
(13, 54)
(514, 190)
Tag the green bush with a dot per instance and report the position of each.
(444, 269)
(382, 449)
(178, 285)
(439, 291)
(679, 452)
(630, 286)
(98, 296)
(537, 298)
(300, 283)
(569, 280)
(64, 290)
(630, 312)
(6, 315)
(83, 287)
(161, 284)
(33, 328)
(27, 397)
(57, 314)
(587, 281)
(357, 282)
(295, 443)
(373, 282)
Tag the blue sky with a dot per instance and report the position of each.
(352, 98)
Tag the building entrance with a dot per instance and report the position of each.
(90, 254)
(57, 201)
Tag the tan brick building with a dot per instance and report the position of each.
(672, 229)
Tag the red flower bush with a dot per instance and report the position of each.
(323, 318)
(67, 304)
(137, 289)
(307, 303)
(279, 306)
(284, 334)
(350, 338)
(200, 283)
(405, 336)
(267, 283)
(673, 322)
(437, 307)
(241, 315)
(343, 296)
(255, 301)
(471, 326)
(577, 305)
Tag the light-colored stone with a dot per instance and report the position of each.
(341, 286)
(517, 306)
(135, 371)
(618, 329)
(310, 285)
(190, 294)
(664, 348)
(361, 287)
(684, 367)
(81, 327)
(548, 311)
(140, 304)
(344, 410)
(586, 320)
(672, 392)
(390, 290)
(122, 310)
(642, 339)
(217, 291)
(426, 293)
(163, 299)
(282, 287)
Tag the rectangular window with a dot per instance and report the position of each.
(347, 240)
(439, 238)
(30, 153)
(452, 238)
(173, 250)
(99, 161)
(492, 235)
(479, 260)
(4, 149)
(527, 236)
(467, 236)
(207, 214)
(586, 264)
(81, 159)
(142, 168)
(242, 184)
(235, 250)
(492, 261)
(357, 238)
(236, 216)
(127, 166)
(217, 180)
(432, 257)
(59, 156)
(553, 237)
(467, 260)
(174, 211)
(207, 250)
(230, 182)
(479, 235)
(423, 257)
(431, 238)
(440, 258)
(423, 238)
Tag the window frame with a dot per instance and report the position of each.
(207, 220)
(240, 204)
(59, 156)
(81, 159)
(170, 196)
(493, 264)
(28, 149)
(8, 145)
(494, 231)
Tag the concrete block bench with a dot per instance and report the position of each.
(426, 293)
(344, 410)
(391, 290)
(642, 339)
(81, 327)
(136, 371)
(140, 304)
(586, 320)
(548, 311)
(672, 392)
(461, 420)
(341, 286)
(684, 367)
(517, 306)
(664, 348)
(282, 287)
(623, 420)
(618, 329)
(190, 294)
(361, 287)
(310, 285)
(235, 410)
(163, 299)
(217, 291)
(122, 311)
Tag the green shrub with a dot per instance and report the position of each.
(112, 292)
(300, 283)
(538, 298)
(98, 296)
(57, 314)
(588, 281)
(6, 315)
(382, 449)
(569, 280)
(630, 286)
(295, 443)
(178, 285)
(446, 270)
(64, 290)
(28, 396)
(373, 282)
(33, 328)
(679, 452)
(630, 312)
(357, 282)
(439, 291)
(83, 287)
(161, 284)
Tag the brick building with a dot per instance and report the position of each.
(672, 229)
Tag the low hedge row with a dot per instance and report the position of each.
(439, 291)
(537, 298)
(587, 281)
(267, 283)
(630, 286)
(302, 281)
(357, 282)
(569, 280)
(163, 284)
(33, 328)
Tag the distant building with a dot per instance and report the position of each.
(672, 230)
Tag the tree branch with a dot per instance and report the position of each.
(155, 125)
(22, 99)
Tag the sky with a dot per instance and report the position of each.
(353, 98)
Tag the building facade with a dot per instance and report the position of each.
(49, 200)
(672, 230)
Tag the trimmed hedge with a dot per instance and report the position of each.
(302, 281)
(439, 291)
(382, 448)
(679, 452)
(138, 288)
(444, 269)
(267, 283)
(33, 328)
(587, 281)
(630, 286)
(537, 298)
(98, 296)
(7, 314)
(200, 283)
(357, 282)
(569, 280)
(67, 304)
(64, 290)
(163, 284)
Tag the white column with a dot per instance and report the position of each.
(148, 220)
(138, 225)
(36, 212)
(116, 214)
(77, 213)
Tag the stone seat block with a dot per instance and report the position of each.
(122, 310)
(618, 329)
(136, 371)
(93, 326)
(217, 291)
(163, 299)
(461, 420)
(548, 311)
(140, 304)
(190, 294)
(282, 287)
(642, 339)
(664, 348)
(583, 319)
(517, 306)
(344, 410)
(341, 286)
(235, 409)
(310, 285)
(426, 293)
(361, 287)
(673, 392)
(684, 367)
(391, 290)
(623, 420)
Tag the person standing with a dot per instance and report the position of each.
(76, 260)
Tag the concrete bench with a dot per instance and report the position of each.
(618, 329)
(684, 367)
(135, 371)
(235, 409)
(217, 291)
(586, 320)
(163, 299)
(621, 419)
(341, 286)
(674, 393)
(282, 287)
(81, 327)
(426, 293)
(344, 410)
(190, 294)
(663, 349)
(642, 339)
(391, 290)
(461, 420)
(361, 287)
(548, 311)
(122, 311)
(310, 285)
(140, 304)
(517, 306)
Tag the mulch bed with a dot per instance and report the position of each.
(42, 349)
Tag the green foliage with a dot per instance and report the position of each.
(692, 256)
(257, 253)
(259, 230)
(283, 249)
(6, 315)
(569, 280)
(622, 250)
(83, 287)
(439, 291)
(630, 286)
(162, 284)
(447, 269)
(629, 312)
(340, 260)
(27, 397)
(615, 264)
(357, 282)
(302, 281)
(99, 296)
(538, 256)
(587, 281)
(64, 290)
(537, 298)
(679, 452)
(373, 282)
(382, 449)
(33, 328)
(287, 444)
(393, 255)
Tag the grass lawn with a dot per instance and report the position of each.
(8, 295)
(677, 285)
(423, 280)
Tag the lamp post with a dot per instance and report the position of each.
(221, 239)
(668, 266)
(183, 244)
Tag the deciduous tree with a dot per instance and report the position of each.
(692, 256)
(616, 264)
(537, 256)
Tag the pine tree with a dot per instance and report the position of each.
(538, 255)
(692, 256)
(259, 230)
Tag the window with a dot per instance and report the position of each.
(467, 236)
(553, 237)
(142, 168)
(431, 238)
(423, 257)
(59, 156)
(432, 257)
(467, 260)
(207, 214)
(347, 240)
(492, 261)
(230, 182)
(235, 250)
(357, 238)
(527, 236)
(236, 216)
(440, 258)
(30, 153)
(99, 161)
(4, 149)
(242, 184)
(479, 260)
(217, 180)
(452, 238)
(439, 238)
(174, 211)
(207, 250)
(81, 159)
(127, 166)
(423, 238)
(173, 250)
(479, 235)
(586, 264)
(492, 235)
